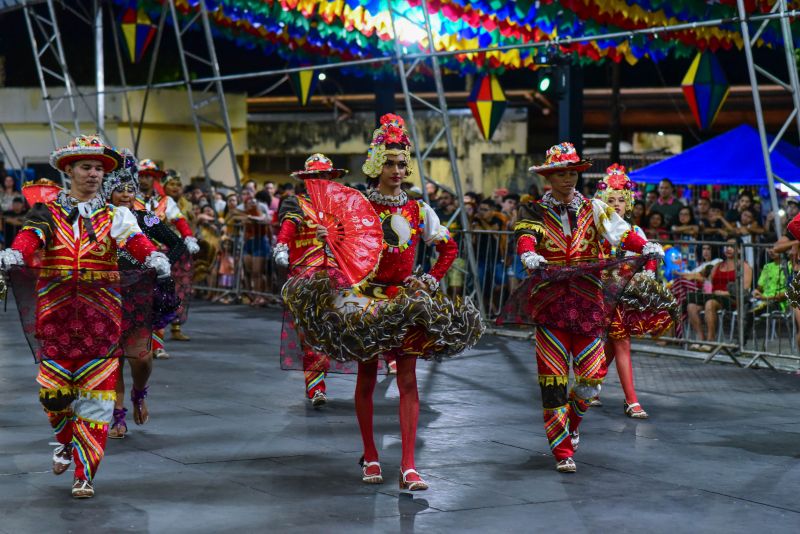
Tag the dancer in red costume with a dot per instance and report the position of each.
(299, 250)
(564, 229)
(154, 200)
(396, 313)
(78, 234)
(616, 190)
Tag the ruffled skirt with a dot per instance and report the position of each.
(350, 325)
(646, 307)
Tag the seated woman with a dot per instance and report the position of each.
(722, 276)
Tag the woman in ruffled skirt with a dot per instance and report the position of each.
(396, 313)
(646, 306)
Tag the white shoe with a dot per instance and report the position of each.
(160, 354)
(319, 399)
(82, 489)
(62, 458)
(567, 465)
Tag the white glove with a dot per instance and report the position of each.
(191, 244)
(653, 248)
(532, 260)
(9, 258)
(159, 262)
(281, 255)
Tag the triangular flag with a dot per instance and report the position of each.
(303, 82)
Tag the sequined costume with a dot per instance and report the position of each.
(299, 249)
(568, 235)
(396, 313)
(77, 376)
(646, 306)
(166, 209)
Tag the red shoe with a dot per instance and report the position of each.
(370, 472)
(411, 481)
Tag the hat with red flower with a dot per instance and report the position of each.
(561, 157)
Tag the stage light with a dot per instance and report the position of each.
(322, 76)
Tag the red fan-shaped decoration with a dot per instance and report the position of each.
(42, 190)
(355, 236)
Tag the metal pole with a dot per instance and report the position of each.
(188, 85)
(401, 68)
(150, 74)
(99, 63)
(62, 61)
(451, 152)
(37, 60)
(221, 95)
(762, 132)
(791, 62)
(121, 70)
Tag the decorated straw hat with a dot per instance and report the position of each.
(319, 166)
(561, 157)
(148, 167)
(85, 147)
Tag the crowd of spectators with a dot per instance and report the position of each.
(237, 231)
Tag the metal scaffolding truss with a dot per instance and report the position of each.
(213, 89)
(7, 152)
(439, 111)
(51, 67)
(780, 9)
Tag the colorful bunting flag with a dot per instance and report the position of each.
(488, 103)
(138, 30)
(705, 87)
(303, 82)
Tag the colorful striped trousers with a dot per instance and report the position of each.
(78, 398)
(564, 411)
(315, 366)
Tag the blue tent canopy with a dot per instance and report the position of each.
(732, 158)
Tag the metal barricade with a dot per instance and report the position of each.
(750, 330)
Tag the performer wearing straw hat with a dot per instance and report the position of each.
(299, 250)
(565, 229)
(78, 232)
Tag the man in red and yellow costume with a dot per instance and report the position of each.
(566, 229)
(299, 249)
(78, 321)
(152, 183)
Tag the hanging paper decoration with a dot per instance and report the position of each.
(138, 30)
(303, 82)
(488, 103)
(705, 87)
(311, 31)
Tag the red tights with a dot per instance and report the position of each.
(620, 349)
(409, 407)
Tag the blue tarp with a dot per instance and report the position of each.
(732, 158)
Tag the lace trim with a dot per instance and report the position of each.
(68, 201)
(387, 200)
(574, 204)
